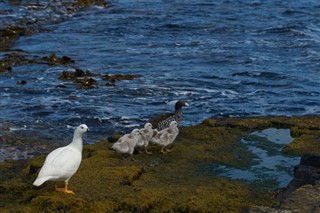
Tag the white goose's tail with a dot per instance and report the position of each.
(40, 180)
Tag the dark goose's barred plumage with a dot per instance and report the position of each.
(163, 121)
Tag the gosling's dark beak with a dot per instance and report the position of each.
(88, 130)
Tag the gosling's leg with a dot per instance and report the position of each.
(140, 152)
(168, 150)
(146, 151)
(163, 150)
(133, 158)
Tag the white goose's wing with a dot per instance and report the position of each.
(60, 164)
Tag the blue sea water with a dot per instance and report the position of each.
(226, 58)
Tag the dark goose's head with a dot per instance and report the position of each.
(180, 104)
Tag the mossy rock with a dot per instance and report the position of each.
(54, 59)
(85, 3)
(158, 182)
(307, 143)
(119, 77)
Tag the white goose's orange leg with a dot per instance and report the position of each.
(65, 189)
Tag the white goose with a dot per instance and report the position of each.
(127, 142)
(62, 163)
(166, 136)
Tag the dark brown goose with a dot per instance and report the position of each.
(163, 121)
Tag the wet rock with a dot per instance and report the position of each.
(85, 3)
(310, 160)
(61, 86)
(80, 77)
(78, 73)
(303, 192)
(10, 60)
(87, 83)
(119, 77)
(53, 59)
(14, 59)
(66, 75)
(307, 172)
(9, 35)
(110, 84)
(5, 65)
(22, 82)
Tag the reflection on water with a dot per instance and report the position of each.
(269, 168)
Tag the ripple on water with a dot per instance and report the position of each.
(242, 63)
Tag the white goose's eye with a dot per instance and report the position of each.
(82, 127)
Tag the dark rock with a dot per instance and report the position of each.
(87, 83)
(307, 172)
(5, 65)
(85, 3)
(52, 58)
(66, 60)
(110, 84)
(310, 160)
(22, 82)
(119, 77)
(9, 35)
(66, 75)
(56, 60)
(61, 86)
(78, 73)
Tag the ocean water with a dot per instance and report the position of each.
(226, 58)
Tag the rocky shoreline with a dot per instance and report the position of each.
(170, 183)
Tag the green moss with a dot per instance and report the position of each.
(305, 144)
(158, 182)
